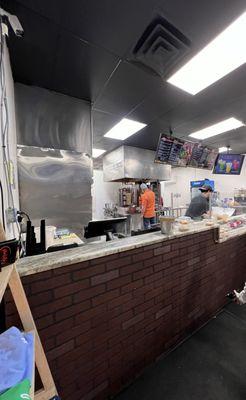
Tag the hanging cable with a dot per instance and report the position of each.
(23, 213)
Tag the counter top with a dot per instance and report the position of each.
(230, 233)
(45, 262)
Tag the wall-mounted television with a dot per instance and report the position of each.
(178, 152)
(228, 164)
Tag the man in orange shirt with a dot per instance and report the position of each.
(148, 206)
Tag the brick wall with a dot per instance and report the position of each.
(103, 321)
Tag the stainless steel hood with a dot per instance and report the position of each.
(133, 164)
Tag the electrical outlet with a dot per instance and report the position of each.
(11, 214)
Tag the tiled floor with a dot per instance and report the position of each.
(211, 365)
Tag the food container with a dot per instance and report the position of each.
(184, 228)
(184, 223)
(236, 223)
(210, 222)
(167, 225)
(184, 220)
(222, 219)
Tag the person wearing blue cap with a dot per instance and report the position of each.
(199, 205)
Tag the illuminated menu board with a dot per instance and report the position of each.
(178, 152)
(164, 149)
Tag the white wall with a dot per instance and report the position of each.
(10, 228)
(107, 192)
(180, 183)
(102, 192)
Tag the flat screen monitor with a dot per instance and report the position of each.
(228, 164)
(102, 227)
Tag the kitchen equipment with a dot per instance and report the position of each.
(167, 225)
(221, 211)
(32, 246)
(105, 227)
(127, 163)
(137, 232)
(110, 210)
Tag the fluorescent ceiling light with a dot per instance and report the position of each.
(224, 149)
(221, 56)
(217, 129)
(97, 152)
(124, 129)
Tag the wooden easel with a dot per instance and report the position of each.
(9, 277)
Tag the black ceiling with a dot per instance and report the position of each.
(84, 48)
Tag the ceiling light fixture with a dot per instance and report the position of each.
(124, 129)
(217, 129)
(224, 149)
(221, 56)
(97, 152)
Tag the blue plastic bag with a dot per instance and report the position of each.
(16, 358)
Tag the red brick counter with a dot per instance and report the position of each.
(103, 321)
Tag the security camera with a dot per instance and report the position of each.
(14, 22)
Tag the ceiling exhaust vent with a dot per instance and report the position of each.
(160, 47)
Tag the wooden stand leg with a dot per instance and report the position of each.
(9, 276)
(28, 323)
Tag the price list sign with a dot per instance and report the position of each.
(164, 149)
(175, 152)
(196, 155)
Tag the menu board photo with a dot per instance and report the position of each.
(213, 154)
(185, 154)
(228, 164)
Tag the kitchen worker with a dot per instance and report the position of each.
(148, 206)
(148, 184)
(199, 205)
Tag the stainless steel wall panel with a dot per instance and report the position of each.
(52, 120)
(55, 185)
